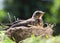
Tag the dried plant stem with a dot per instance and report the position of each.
(9, 17)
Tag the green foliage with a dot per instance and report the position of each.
(55, 11)
(2, 15)
(34, 39)
(53, 16)
(4, 38)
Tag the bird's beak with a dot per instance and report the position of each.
(42, 14)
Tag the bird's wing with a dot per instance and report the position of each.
(23, 23)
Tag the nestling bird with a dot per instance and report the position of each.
(36, 17)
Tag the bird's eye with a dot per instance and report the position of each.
(45, 25)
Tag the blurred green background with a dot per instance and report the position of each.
(10, 10)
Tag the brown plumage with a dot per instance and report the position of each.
(22, 32)
(33, 25)
(36, 17)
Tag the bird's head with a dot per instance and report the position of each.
(38, 14)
